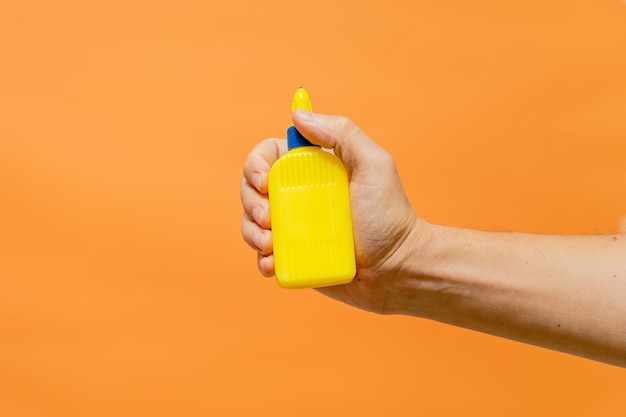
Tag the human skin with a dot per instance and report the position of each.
(566, 293)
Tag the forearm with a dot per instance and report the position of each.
(563, 292)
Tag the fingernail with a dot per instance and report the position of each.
(259, 239)
(257, 214)
(304, 115)
(256, 181)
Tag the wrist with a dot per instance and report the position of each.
(428, 284)
(413, 283)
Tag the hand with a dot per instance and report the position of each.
(560, 292)
(386, 229)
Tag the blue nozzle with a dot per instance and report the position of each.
(295, 139)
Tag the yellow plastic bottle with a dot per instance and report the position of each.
(310, 213)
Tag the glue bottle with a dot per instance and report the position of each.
(310, 213)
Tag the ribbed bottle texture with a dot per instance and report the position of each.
(311, 220)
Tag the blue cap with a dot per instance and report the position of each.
(295, 139)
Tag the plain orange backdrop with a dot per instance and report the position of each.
(125, 287)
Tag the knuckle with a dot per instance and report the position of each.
(387, 159)
(345, 124)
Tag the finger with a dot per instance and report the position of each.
(266, 265)
(258, 238)
(255, 204)
(260, 160)
(349, 142)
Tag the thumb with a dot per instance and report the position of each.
(339, 133)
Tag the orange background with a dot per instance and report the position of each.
(125, 287)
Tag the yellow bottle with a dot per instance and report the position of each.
(310, 213)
